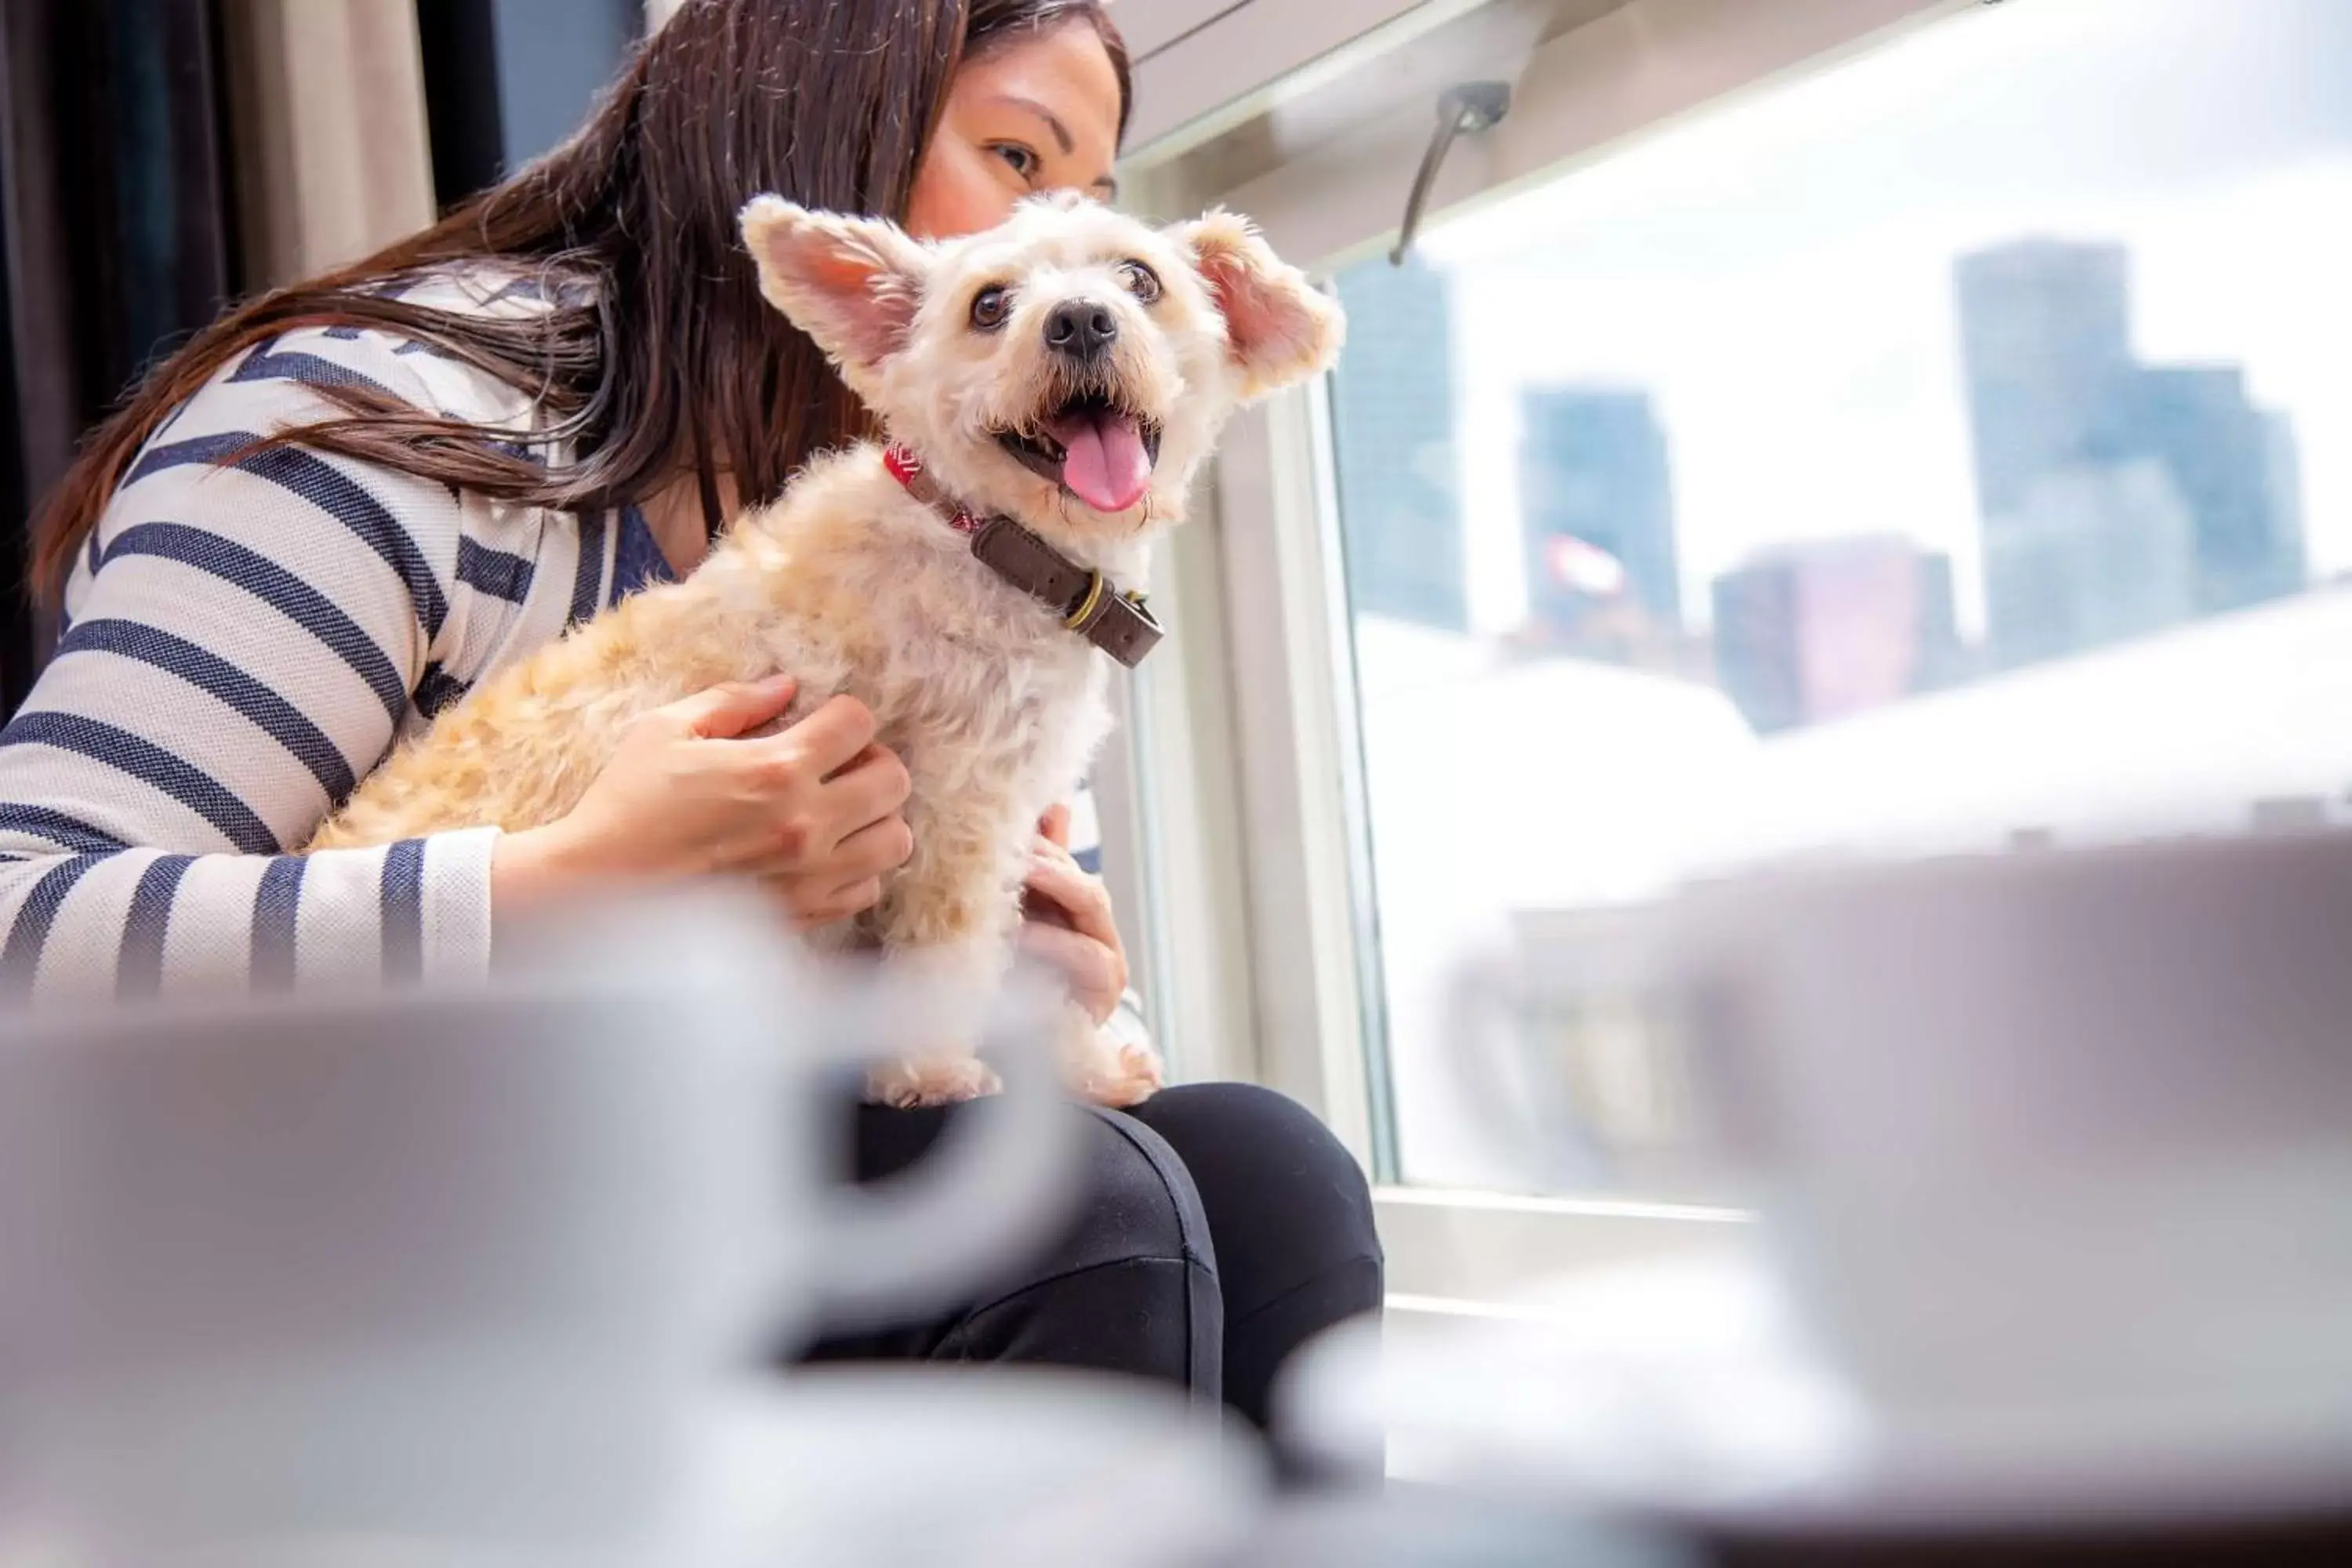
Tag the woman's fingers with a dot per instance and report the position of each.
(726, 711)
(840, 904)
(1094, 974)
(869, 789)
(1086, 949)
(1057, 879)
(836, 796)
(821, 744)
(877, 848)
(816, 809)
(849, 880)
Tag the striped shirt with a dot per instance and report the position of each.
(243, 643)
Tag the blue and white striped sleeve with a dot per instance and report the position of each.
(242, 645)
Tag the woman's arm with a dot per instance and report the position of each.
(242, 644)
(246, 642)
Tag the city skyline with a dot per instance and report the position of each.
(1787, 302)
(2118, 497)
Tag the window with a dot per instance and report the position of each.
(1799, 431)
(1950, 450)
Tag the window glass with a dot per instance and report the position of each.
(1949, 449)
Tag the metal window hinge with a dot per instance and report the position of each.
(1471, 106)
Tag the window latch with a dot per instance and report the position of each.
(1470, 105)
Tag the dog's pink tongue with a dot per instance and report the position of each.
(1104, 463)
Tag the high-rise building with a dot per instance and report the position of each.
(1816, 631)
(2045, 336)
(2095, 553)
(2236, 469)
(2117, 498)
(1392, 435)
(1594, 488)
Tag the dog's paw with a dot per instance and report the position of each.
(935, 1081)
(1136, 1077)
(1103, 1069)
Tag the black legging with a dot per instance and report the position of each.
(1222, 1227)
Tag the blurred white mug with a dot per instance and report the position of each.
(460, 1265)
(2068, 1133)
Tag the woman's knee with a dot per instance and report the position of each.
(1270, 1176)
(1131, 1284)
(1297, 1249)
(1131, 1207)
(1259, 1142)
(1131, 1195)
(1137, 1198)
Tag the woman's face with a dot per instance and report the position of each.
(1041, 114)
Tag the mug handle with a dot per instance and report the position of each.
(999, 1173)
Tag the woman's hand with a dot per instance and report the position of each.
(1069, 926)
(813, 810)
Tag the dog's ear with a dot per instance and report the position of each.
(852, 284)
(1279, 327)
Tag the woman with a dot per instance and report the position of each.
(499, 425)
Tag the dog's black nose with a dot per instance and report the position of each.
(1081, 330)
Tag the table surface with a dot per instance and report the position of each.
(1419, 1527)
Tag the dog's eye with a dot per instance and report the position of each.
(990, 306)
(1142, 281)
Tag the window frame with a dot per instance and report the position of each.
(1242, 774)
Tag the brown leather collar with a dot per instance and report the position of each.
(1114, 621)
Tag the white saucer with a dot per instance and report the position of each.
(1686, 1390)
(892, 1467)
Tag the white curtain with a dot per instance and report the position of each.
(332, 154)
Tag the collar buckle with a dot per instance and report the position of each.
(1088, 607)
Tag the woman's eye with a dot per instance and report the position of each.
(1024, 162)
(990, 306)
(1142, 281)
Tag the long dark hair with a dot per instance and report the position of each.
(658, 354)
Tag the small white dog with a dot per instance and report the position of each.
(1049, 388)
